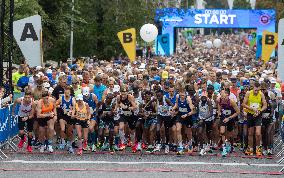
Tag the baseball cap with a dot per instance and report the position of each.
(273, 80)
(165, 75)
(246, 82)
(79, 97)
(85, 91)
(157, 78)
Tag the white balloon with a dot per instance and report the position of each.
(217, 43)
(148, 32)
(209, 44)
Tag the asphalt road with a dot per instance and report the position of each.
(125, 164)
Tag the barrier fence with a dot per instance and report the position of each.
(8, 129)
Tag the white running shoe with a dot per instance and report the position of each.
(50, 149)
(202, 152)
(94, 148)
(167, 149)
(157, 148)
(42, 148)
(139, 147)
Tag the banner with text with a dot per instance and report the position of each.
(128, 40)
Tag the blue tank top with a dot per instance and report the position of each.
(66, 105)
(183, 106)
(226, 108)
(90, 101)
(173, 100)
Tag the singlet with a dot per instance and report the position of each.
(78, 91)
(81, 113)
(66, 105)
(91, 103)
(183, 106)
(204, 112)
(163, 107)
(46, 109)
(24, 111)
(126, 102)
(107, 109)
(150, 108)
(173, 99)
(226, 108)
(268, 110)
(254, 101)
(235, 91)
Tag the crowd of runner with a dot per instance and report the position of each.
(197, 100)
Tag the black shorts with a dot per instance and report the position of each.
(66, 118)
(131, 120)
(208, 125)
(42, 122)
(83, 123)
(230, 124)
(21, 124)
(254, 121)
(188, 121)
(106, 124)
(167, 120)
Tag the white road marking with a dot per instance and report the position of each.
(137, 163)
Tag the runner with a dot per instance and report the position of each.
(184, 120)
(81, 113)
(65, 105)
(227, 112)
(47, 116)
(255, 102)
(25, 117)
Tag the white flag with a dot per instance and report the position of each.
(281, 49)
(27, 33)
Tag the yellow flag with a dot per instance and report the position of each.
(128, 41)
(269, 42)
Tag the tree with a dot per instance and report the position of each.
(217, 4)
(241, 4)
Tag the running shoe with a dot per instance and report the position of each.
(157, 148)
(224, 152)
(70, 150)
(115, 147)
(80, 151)
(150, 149)
(112, 150)
(269, 152)
(50, 149)
(21, 143)
(94, 148)
(134, 148)
(42, 148)
(180, 150)
(121, 147)
(29, 149)
(144, 146)
(105, 147)
(85, 146)
(190, 149)
(139, 147)
(61, 146)
(249, 152)
(258, 151)
(167, 149)
(202, 152)
(264, 152)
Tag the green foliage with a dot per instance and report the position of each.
(241, 4)
(217, 4)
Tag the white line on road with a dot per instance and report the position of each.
(137, 163)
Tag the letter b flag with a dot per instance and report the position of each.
(269, 42)
(128, 40)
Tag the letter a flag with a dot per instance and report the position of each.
(269, 42)
(27, 33)
(128, 40)
(281, 49)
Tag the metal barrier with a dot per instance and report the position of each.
(8, 129)
(279, 145)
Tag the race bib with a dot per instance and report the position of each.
(227, 112)
(265, 115)
(183, 110)
(254, 105)
(127, 113)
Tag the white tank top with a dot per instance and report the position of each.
(24, 111)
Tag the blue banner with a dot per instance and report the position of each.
(164, 41)
(8, 123)
(172, 18)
